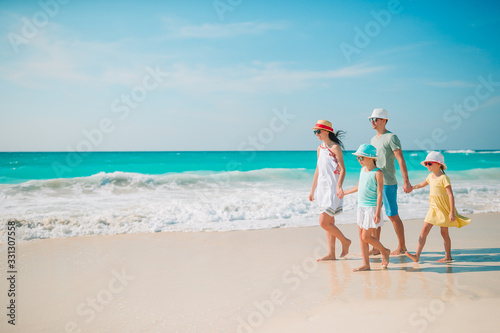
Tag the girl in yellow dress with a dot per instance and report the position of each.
(442, 211)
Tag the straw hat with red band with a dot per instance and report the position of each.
(324, 125)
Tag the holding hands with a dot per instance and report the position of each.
(340, 192)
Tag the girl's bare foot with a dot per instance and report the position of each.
(445, 260)
(345, 249)
(385, 258)
(374, 252)
(412, 256)
(328, 257)
(362, 268)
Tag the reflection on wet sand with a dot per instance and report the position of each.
(411, 279)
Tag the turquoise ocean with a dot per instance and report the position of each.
(54, 195)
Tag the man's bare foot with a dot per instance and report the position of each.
(385, 258)
(328, 257)
(412, 256)
(445, 260)
(374, 252)
(345, 249)
(398, 252)
(362, 268)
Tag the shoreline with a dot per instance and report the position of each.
(341, 224)
(263, 280)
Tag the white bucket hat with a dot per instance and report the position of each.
(435, 156)
(379, 113)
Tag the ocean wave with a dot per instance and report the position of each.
(489, 152)
(460, 151)
(491, 174)
(122, 181)
(114, 203)
(470, 151)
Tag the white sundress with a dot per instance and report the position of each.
(328, 177)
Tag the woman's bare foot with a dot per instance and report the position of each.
(398, 252)
(374, 252)
(345, 249)
(445, 260)
(412, 256)
(328, 257)
(385, 258)
(362, 268)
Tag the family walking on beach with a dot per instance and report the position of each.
(377, 187)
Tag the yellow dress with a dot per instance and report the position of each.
(439, 210)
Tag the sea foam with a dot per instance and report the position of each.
(120, 202)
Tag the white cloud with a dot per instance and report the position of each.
(215, 31)
(490, 102)
(50, 61)
(252, 79)
(451, 84)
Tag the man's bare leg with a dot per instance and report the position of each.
(400, 232)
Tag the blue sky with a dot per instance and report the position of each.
(240, 74)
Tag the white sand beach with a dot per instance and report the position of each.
(254, 281)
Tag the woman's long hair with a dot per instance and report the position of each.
(335, 137)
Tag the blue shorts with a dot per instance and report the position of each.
(390, 200)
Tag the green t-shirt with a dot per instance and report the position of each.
(386, 144)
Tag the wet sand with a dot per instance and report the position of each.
(254, 281)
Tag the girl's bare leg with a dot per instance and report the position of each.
(421, 242)
(327, 222)
(367, 237)
(447, 245)
(364, 252)
(376, 233)
(331, 247)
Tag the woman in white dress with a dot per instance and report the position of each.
(328, 179)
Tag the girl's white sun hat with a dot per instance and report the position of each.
(435, 156)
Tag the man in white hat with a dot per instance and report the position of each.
(388, 149)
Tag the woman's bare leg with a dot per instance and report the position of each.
(327, 222)
(331, 247)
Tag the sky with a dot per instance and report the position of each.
(242, 75)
